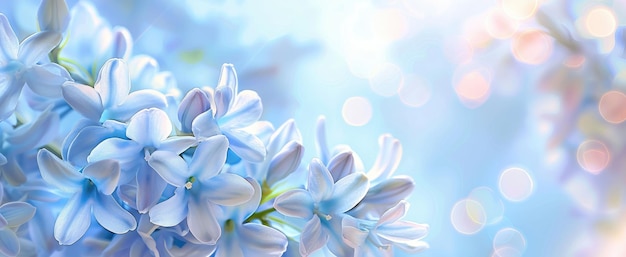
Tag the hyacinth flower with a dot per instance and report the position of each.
(53, 15)
(13, 215)
(201, 188)
(110, 97)
(91, 190)
(322, 203)
(241, 238)
(147, 133)
(233, 112)
(376, 237)
(18, 66)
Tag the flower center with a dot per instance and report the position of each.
(190, 181)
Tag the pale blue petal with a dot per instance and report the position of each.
(227, 189)
(34, 134)
(10, 90)
(125, 151)
(177, 144)
(386, 194)
(351, 232)
(248, 208)
(47, 80)
(257, 238)
(284, 134)
(138, 100)
(247, 146)
(232, 245)
(341, 165)
(171, 211)
(9, 244)
(402, 231)
(347, 193)
(142, 69)
(105, 174)
(313, 237)
(320, 140)
(3, 222)
(12, 172)
(53, 15)
(3, 160)
(285, 162)
(171, 167)
(122, 43)
(205, 126)
(79, 145)
(17, 213)
(223, 98)
(113, 82)
(246, 109)
(209, 157)
(8, 40)
(112, 216)
(388, 159)
(150, 186)
(320, 182)
(149, 127)
(73, 220)
(37, 46)
(202, 221)
(228, 77)
(413, 246)
(295, 203)
(393, 214)
(193, 104)
(57, 172)
(83, 99)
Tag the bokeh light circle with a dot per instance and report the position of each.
(593, 156)
(600, 22)
(473, 88)
(491, 203)
(532, 47)
(468, 216)
(386, 79)
(508, 238)
(499, 25)
(515, 184)
(612, 107)
(414, 92)
(520, 9)
(357, 111)
(506, 252)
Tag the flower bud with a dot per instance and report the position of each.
(53, 15)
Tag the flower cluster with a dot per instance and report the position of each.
(90, 132)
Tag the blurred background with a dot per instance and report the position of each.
(510, 112)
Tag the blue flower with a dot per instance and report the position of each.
(148, 133)
(240, 238)
(91, 189)
(233, 112)
(322, 201)
(370, 237)
(201, 189)
(12, 215)
(109, 98)
(53, 15)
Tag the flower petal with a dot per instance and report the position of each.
(352, 235)
(347, 193)
(8, 40)
(150, 186)
(246, 109)
(171, 211)
(53, 15)
(17, 213)
(320, 182)
(112, 216)
(285, 162)
(388, 158)
(227, 189)
(320, 140)
(47, 80)
(205, 126)
(341, 165)
(170, 167)
(177, 144)
(149, 127)
(125, 151)
(257, 238)
(138, 100)
(12, 172)
(34, 134)
(393, 214)
(10, 90)
(209, 157)
(386, 194)
(83, 99)
(295, 203)
(193, 104)
(113, 82)
(79, 145)
(105, 174)
(9, 243)
(57, 172)
(37, 46)
(202, 221)
(282, 136)
(402, 231)
(122, 43)
(313, 237)
(73, 220)
(247, 146)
